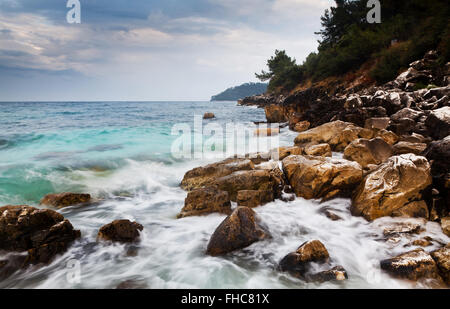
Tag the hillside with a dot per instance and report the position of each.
(240, 92)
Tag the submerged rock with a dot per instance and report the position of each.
(394, 185)
(337, 273)
(237, 231)
(319, 177)
(65, 199)
(442, 259)
(205, 201)
(413, 265)
(43, 233)
(367, 152)
(120, 231)
(209, 116)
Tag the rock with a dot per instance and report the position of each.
(377, 123)
(438, 123)
(413, 265)
(66, 199)
(297, 263)
(267, 132)
(264, 180)
(366, 152)
(254, 198)
(321, 150)
(388, 136)
(133, 284)
(424, 242)
(394, 185)
(275, 114)
(406, 113)
(237, 231)
(337, 134)
(442, 259)
(295, 118)
(209, 116)
(319, 177)
(202, 176)
(123, 231)
(337, 273)
(407, 147)
(302, 126)
(417, 209)
(206, 201)
(445, 224)
(397, 228)
(285, 152)
(331, 215)
(415, 138)
(43, 233)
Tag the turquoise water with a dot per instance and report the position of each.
(121, 153)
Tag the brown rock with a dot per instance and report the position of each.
(43, 233)
(275, 114)
(202, 176)
(424, 242)
(254, 198)
(417, 209)
(209, 116)
(445, 224)
(66, 199)
(120, 231)
(285, 152)
(321, 150)
(392, 186)
(407, 147)
(337, 273)
(438, 123)
(302, 126)
(206, 201)
(237, 231)
(389, 137)
(377, 123)
(367, 152)
(413, 265)
(397, 228)
(442, 259)
(319, 177)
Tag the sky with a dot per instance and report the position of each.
(146, 50)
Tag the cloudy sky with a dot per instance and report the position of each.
(146, 49)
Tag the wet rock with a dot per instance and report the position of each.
(275, 114)
(377, 123)
(43, 233)
(267, 132)
(424, 242)
(413, 265)
(254, 198)
(331, 215)
(407, 147)
(321, 150)
(202, 176)
(395, 184)
(66, 199)
(123, 231)
(366, 152)
(265, 180)
(417, 209)
(206, 201)
(445, 224)
(209, 116)
(442, 259)
(133, 284)
(285, 152)
(337, 134)
(319, 177)
(302, 126)
(237, 231)
(438, 123)
(337, 273)
(397, 228)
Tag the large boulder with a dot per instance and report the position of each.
(202, 176)
(265, 180)
(206, 201)
(275, 114)
(297, 262)
(337, 134)
(43, 233)
(393, 185)
(442, 259)
(65, 199)
(366, 152)
(237, 231)
(319, 177)
(408, 147)
(438, 123)
(123, 231)
(413, 265)
(254, 198)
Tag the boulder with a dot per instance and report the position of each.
(366, 152)
(265, 180)
(388, 136)
(209, 116)
(123, 231)
(438, 123)
(406, 113)
(417, 209)
(302, 126)
(254, 198)
(377, 123)
(202, 176)
(413, 265)
(294, 119)
(237, 231)
(285, 152)
(445, 224)
(66, 199)
(407, 147)
(321, 150)
(43, 233)
(392, 186)
(206, 201)
(319, 177)
(442, 259)
(337, 134)
(267, 132)
(275, 114)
